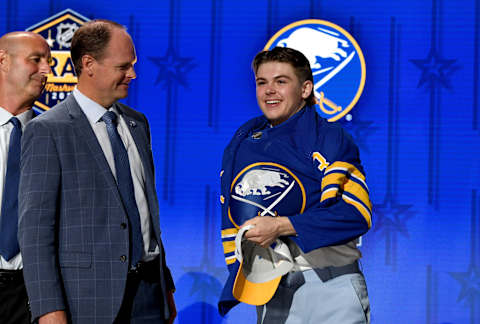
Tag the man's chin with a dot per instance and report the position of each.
(123, 93)
(276, 120)
(272, 118)
(36, 92)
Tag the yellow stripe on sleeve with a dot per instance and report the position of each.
(230, 260)
(365, 213)
(329, 193)
(346, 166)
(359, 192)
(333, 178)
(229, 232)
(228, 246)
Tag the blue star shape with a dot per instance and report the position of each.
(435, 70)
(201, 283)
(470, 282)
(392, 218)
(206, 266)
(204, 285)
(173, 69)
(360, 131)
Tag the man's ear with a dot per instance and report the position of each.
(307, 89)
(88, 64)
(4, 59)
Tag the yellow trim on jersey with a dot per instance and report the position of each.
(231, 219)
(329, 193)
(333, 178)
(321, 160)
(348, 185)
(230, 260)
(228, 247)
(229, 232)
(351, 187)
(359, 192)
(365, 213)
(346, 166)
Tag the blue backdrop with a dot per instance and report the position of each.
(416, 123)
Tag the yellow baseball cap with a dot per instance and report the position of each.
(261, 269)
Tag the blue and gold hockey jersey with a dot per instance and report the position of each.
(306, 169)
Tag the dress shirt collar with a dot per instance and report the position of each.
(23, 117)
(92, 109)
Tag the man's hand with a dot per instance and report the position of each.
(171, 307)
(57, 317)
(267, 229)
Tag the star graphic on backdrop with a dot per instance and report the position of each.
(172, 68)
(392, 217)
(201, 283)
(470, 282)
(360, 131)
(207, 266)
(50, 40)
(435, 70)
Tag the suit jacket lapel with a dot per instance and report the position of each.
(85, 133)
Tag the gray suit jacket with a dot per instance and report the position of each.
(72, 231)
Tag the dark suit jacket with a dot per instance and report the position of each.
(71, 218)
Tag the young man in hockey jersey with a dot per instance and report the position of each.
(295, 176)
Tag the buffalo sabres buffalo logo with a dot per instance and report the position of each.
(336, 60)
(265, 189)
(58, 31)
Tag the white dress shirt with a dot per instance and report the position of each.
(6, 127)
(94, 113)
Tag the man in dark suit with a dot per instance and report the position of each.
(89, 224)
(24, 65)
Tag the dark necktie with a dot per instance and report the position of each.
(125, 186)
(9, 214)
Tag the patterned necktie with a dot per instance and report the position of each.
(9, 214)
(125, 186)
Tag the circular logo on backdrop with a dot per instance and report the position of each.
(265, 189)
(58, 31)
(336, 60)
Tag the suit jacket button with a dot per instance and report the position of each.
(123, 225)
(123, 258)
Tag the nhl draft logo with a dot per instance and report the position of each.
(265, 189)
(336, 60)
(58, 31)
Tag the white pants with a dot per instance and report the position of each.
(343, 299)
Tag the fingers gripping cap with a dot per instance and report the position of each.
(261, 269)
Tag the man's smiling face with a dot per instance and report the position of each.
(280, 94)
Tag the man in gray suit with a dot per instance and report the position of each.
(24, 65)
(89, 225)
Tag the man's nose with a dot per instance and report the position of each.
(45, 67)
(131, 74)
(270, 90)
